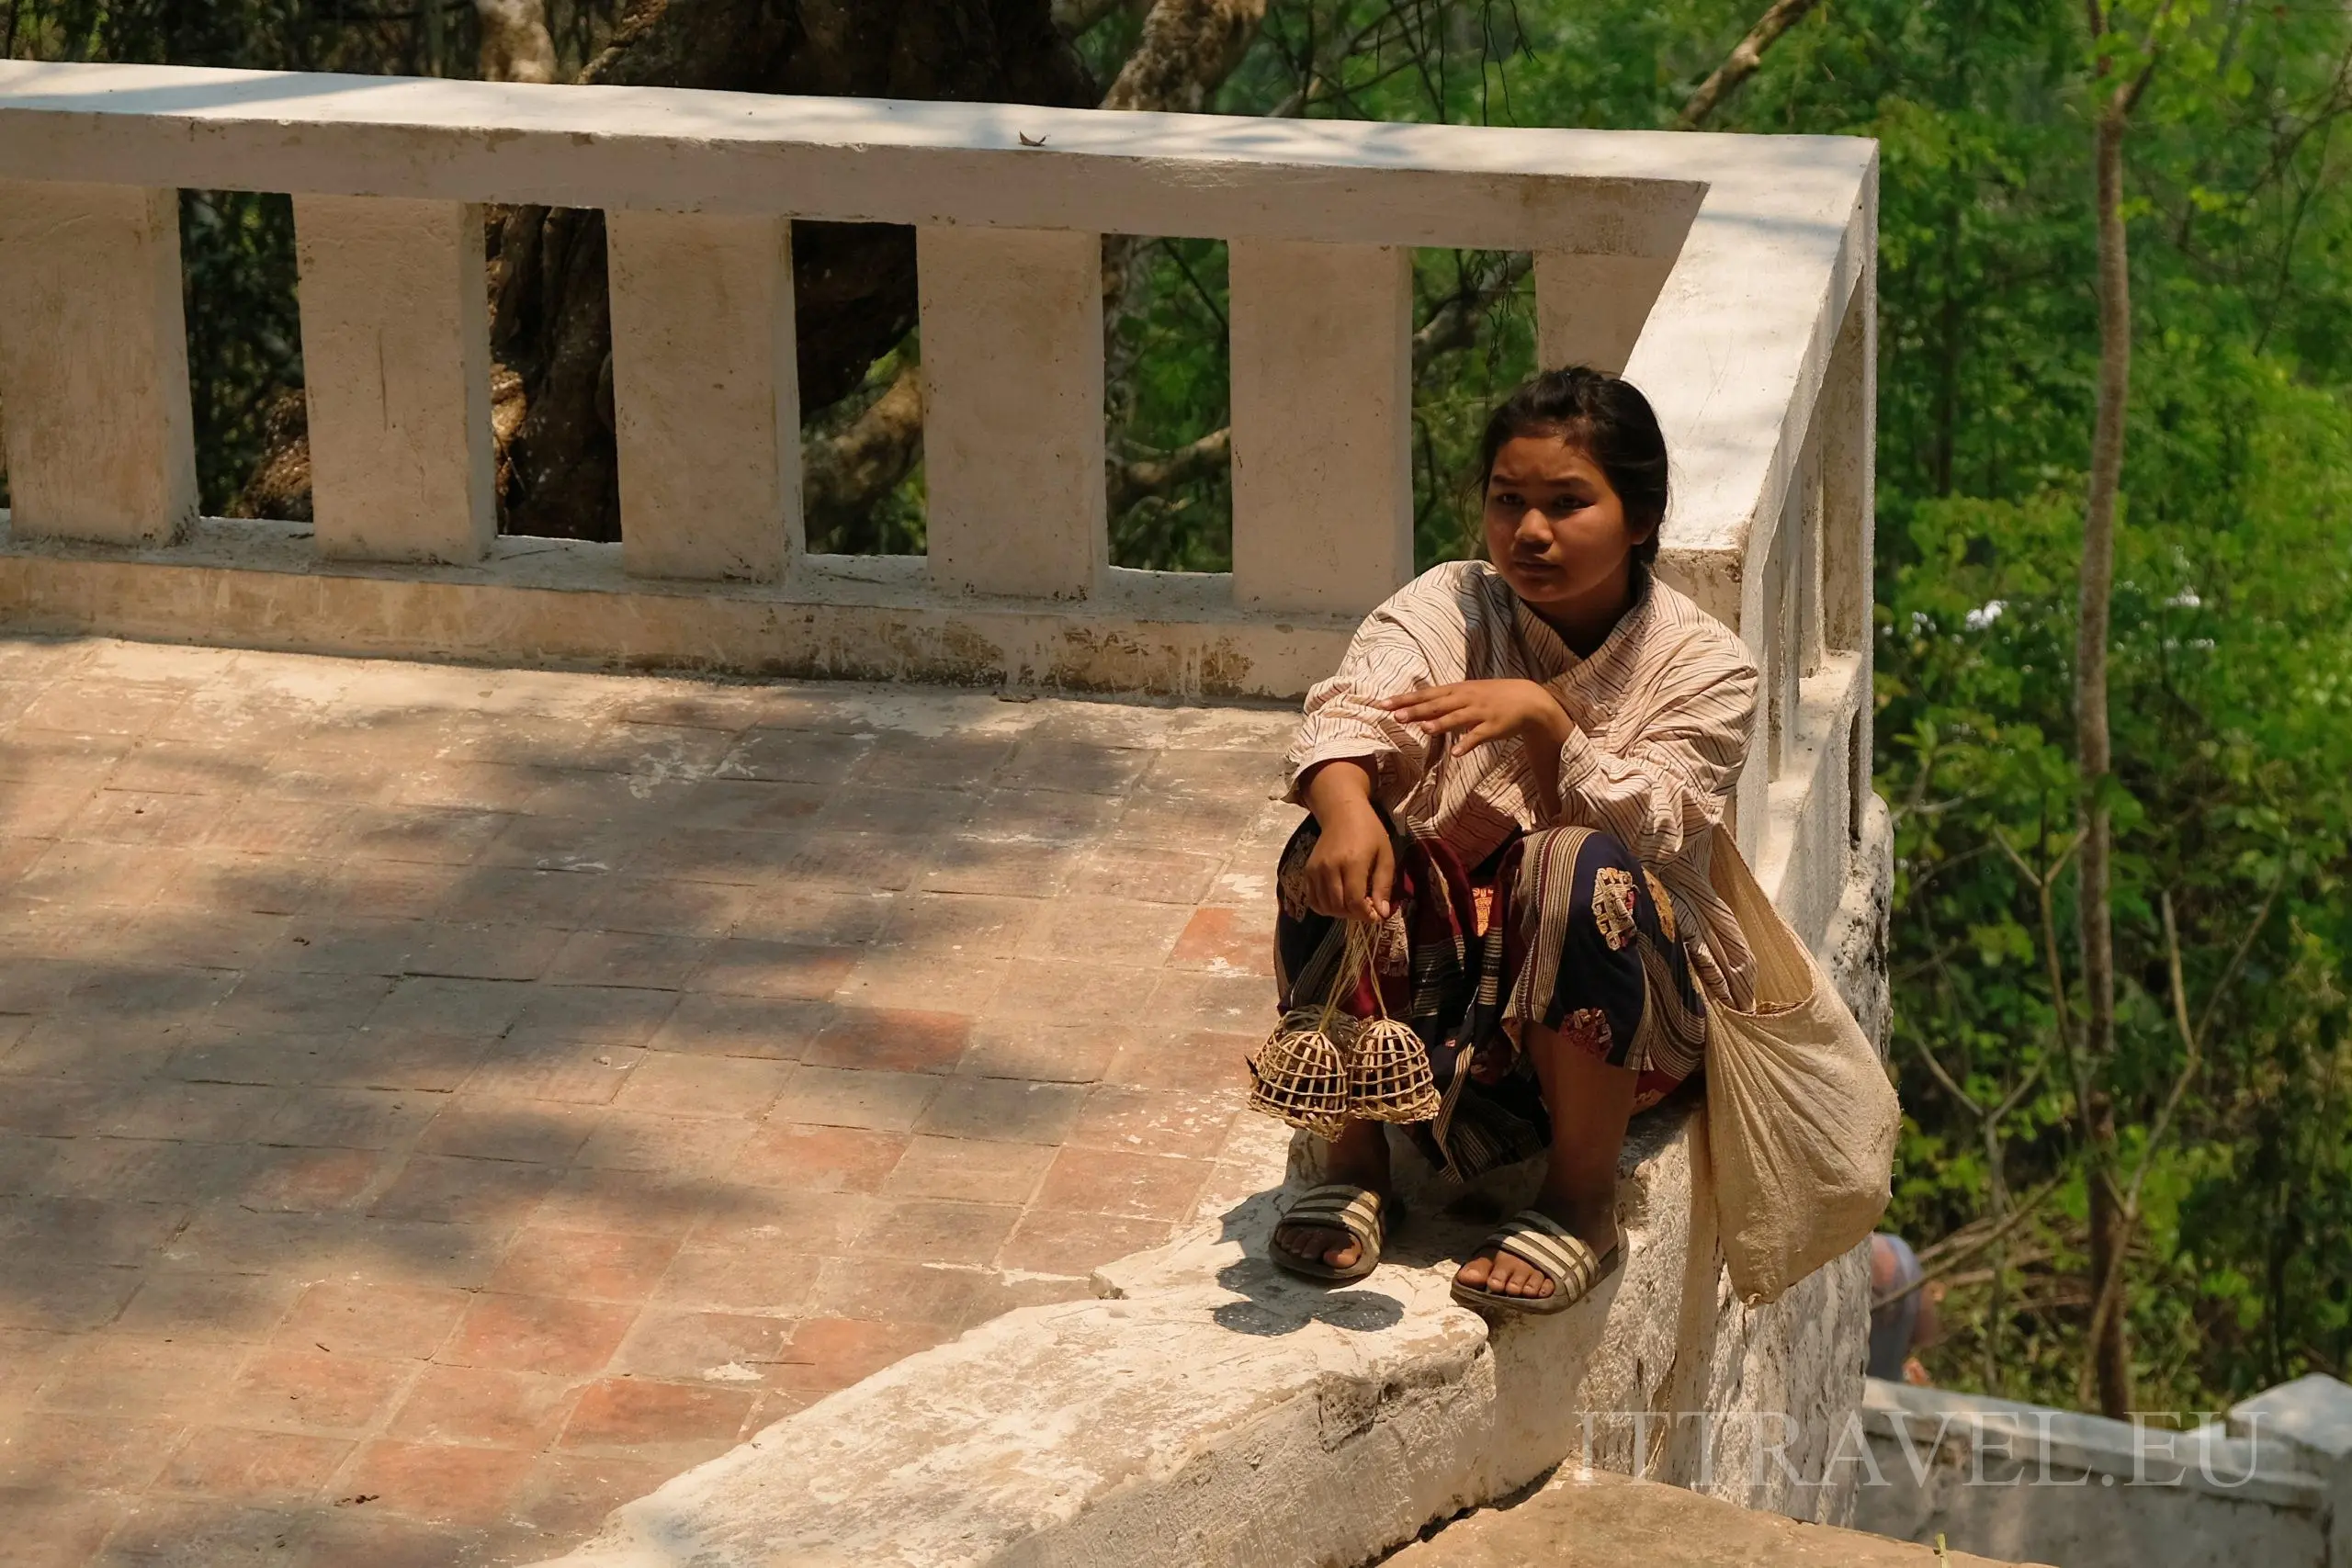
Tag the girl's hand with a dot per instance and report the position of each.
(1352, 869)
(1475, 712)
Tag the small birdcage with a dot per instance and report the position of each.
(1320, 1066)
(1300, 1075)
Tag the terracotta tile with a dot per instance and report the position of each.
(994, 1294)
(818, 1159)
(927, 1230)
(310, 1180)
(488, 951)
(134, 1375)
(306, 1387)
(387, 890)
(1041, 1053)
(591, 1015)
(857, 862)
(560, 900)
(431, 1004)
(1127, 934)
(1157, 1121)
(727, 1277)
(1137, 870)
(373, 1318)
(712, 854)
(891, 1039)
(593, 1265)
(567, 1495)
(890, 1290)
(905, 977)
(556, 1334)
(52, 1108)
(681, 1146)
(140, 817)
(63, 1297)
(530, 1132)
(1236, 1004)
(466, 1192)
(87, 1230)
(349, 1119)
(741, 968)
(1050, 1241)
(834, 1352)
(837, 1097)
(278, 1002)
(794, 756)
(1051, 763)
(50, 1529)
(341, 946)
(405, 1059)
(899, 760)
(743, 1026)
(238, 1309)
(485, 1405)
(705, 1347)
(674, 1084)
(579, 1075)
(212, 1113)
(965, 925)
(1228, 942)
(439, 1482)
(426, 836)
(1146, 1187)
(241, 1466)
(762, 1220)
(810, 917)
(625, 958)
(1195, 1060)
(642, 1202)
(669, 907)
(201, 1532)
(896, 811)
(1005, 1110)
(1048, 816)
(968, 1169)
(83, 1453)
(984, 863)
(627, 1412)
(28, 1359)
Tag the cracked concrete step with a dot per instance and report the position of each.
(1608, 1521)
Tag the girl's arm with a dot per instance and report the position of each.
(1353, 868)
(1671, 785)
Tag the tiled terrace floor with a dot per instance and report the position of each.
(438, 1104)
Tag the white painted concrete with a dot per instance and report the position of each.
(94, 362)
(1322, 365)
(1003, 165)
(1589, 308)
(705, 394)
(1012, 411)
(2312, 1418)
(2010, 1480)
(396, 367)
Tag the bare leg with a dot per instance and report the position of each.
(1360, 1155)
(1591, 1102)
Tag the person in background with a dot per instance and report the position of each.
(1903, 1310)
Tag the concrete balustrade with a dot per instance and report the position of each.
(94, 362)
(1729, 277)
(1012, 411)
(396, 368)
(705, 394)
(1322, 357)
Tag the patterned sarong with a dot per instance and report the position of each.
(1560, 926)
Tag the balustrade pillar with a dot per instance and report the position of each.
(1589, 308)
(396, 370)
(94, 362)
(705, 394)
(1012, 410)
(1849, 509)
(1322, 356)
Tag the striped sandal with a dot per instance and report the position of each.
(1565, 1258)
(1340, 1206)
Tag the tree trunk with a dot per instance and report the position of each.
(2111, 1354)
(515, 45)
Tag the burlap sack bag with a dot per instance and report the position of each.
(1801, 1118)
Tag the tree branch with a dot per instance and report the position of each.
(1741, 63)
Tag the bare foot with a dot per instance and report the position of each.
(1358, 1156)
(1504, 1274)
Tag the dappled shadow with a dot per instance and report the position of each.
(564, 1033)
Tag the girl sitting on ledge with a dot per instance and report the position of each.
(1513, 776)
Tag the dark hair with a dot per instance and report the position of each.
(1609, 418)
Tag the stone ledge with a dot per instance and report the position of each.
(1602, 1520)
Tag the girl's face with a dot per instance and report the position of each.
(1555, 528)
